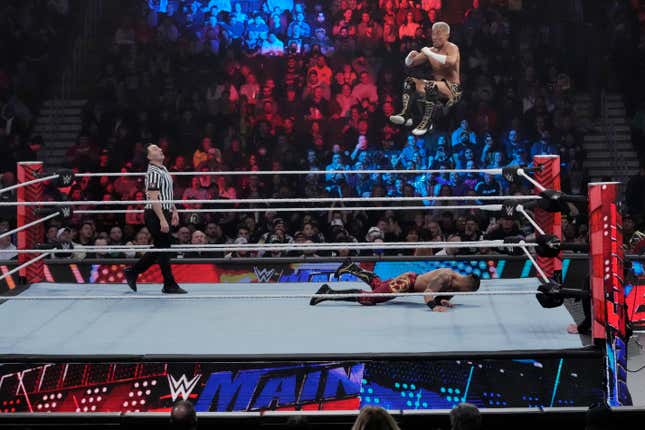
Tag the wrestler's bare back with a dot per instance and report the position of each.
(438, 280)
(435, 280)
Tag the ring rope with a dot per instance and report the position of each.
(534, 262)
(285, 247)
(31, 224)
(271, 296)
(269, 201)
(496, 171)
(529, 218)
(522, 173)
(493, 208)
(25, 184)
(23, 265)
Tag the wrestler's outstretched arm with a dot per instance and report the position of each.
(437, 283)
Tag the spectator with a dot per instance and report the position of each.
(86, 234)
(272, 46)
(344, 101)
(322, 69)
(314, 82)
(7, 249)
(365, 89)
(215, 234)
(465, 416)
(101, 243)
(504, 228)
(183, 236)
(142, 238)
(201, 154)
(335, 181)
(256, 31)
(463, 135)
(542, 147)
(304, 30)
(599, 417)
(408, 29)
(372, 417)
(183, 416)
(488, 186)
(250, 90)
(64, 242)
(198, 238)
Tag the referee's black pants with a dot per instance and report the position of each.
(159, 240)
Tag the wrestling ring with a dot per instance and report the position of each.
(244, 340)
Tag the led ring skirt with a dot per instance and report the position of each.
(245, 339)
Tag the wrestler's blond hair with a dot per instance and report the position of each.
(441, 25)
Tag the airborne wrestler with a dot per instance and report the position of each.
(433, 76)
(435, 281)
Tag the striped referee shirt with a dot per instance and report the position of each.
(158, 179)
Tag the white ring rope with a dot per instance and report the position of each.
(24, 184)
(520, 209)
(31, 224)
(23, 265)
(522, 173)
(301, 172)
(493, 208)
(285, 247)
(272, 296)
(270, 201)
(530, 257)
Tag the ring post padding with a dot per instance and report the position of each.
(27, 239)
(551, 223)
(606, 272)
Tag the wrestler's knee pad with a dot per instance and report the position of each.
(432, 90)
(409, 85)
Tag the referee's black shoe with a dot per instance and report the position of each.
(173, 289)
(131, 278)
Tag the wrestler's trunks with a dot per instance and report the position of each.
(400, 284)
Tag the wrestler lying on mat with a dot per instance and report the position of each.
(437, 281)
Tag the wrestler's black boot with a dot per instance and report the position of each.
(326, 289)
(404, 117)
(131, 278)
(354, 269)
(426, 124)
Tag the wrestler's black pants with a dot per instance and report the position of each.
(159, 240)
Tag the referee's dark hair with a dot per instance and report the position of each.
(183, 416)
(147, 146)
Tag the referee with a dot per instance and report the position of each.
(158, 218)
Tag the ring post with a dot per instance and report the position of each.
(608, 306)
(27, 239)
(551, 223)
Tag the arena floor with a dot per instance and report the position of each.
(279, 327)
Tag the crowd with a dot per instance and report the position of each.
(464, 416)
(285, 85)
(32, 34)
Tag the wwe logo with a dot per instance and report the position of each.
(510, 210)
(66, 178)
(265, 275)
(65, 212)
(182, 386)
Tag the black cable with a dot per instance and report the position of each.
(637, 370)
